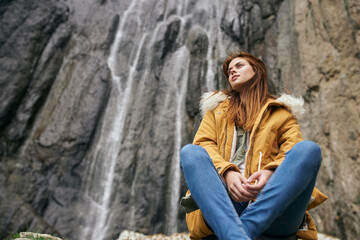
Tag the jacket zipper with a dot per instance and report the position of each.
(247, 161)
(260, 161)
(225, 139)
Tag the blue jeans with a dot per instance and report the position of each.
(280, 206)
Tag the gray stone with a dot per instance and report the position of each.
(31, 56)
(39, 235)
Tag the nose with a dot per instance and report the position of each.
(232, 71)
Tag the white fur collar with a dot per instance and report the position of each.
(210, 100)
(293, 104)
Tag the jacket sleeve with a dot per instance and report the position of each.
(288, 135)
(207, 138)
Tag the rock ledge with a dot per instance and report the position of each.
(130, 235)
(24, 235)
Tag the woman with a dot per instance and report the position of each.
(248, 169)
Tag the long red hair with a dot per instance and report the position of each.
(246, 104)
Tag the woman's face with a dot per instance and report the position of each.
(239, 71)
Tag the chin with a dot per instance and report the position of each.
(238, 86)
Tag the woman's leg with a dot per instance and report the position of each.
(209, 192)
(280, 206)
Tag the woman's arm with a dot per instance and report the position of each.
(288, 135)
(207, 138)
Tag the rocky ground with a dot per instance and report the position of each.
(30, 235)
(130, 235)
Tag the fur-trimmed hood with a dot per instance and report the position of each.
(210, 100)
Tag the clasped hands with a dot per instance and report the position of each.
(242, 189)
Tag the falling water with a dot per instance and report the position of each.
(181, 57)
(215, 38)
(105, 153)
(111, 135)
(132, 210)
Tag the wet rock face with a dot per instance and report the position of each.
(51, 102)
(98, 97)
(33, 37)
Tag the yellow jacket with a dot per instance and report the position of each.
(274, 133)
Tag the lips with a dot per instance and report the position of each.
(234, 77)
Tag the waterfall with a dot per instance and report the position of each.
(110, 138)
(214, 43)
(104, 155)
(132, 209)
(182, 58)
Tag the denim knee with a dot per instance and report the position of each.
(192, 155)
(310, 151)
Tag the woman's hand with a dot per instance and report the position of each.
(262, 177)
(236, 184)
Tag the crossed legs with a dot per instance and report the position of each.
(280, 206)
